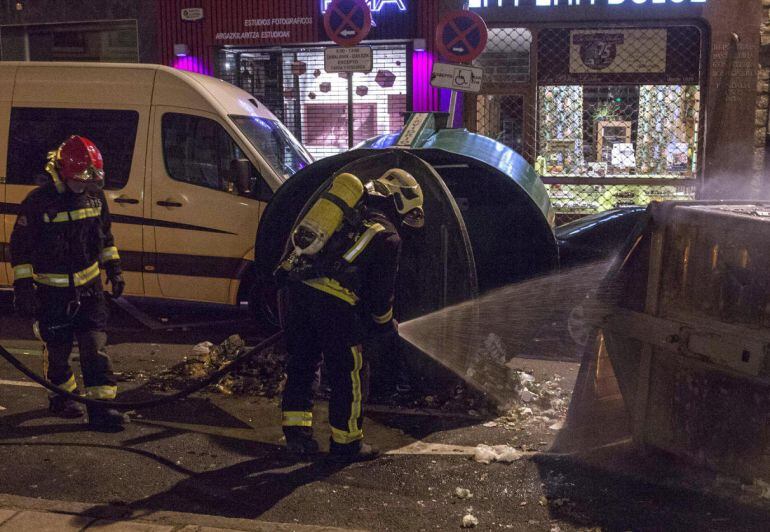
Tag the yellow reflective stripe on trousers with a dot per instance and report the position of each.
(22, 271)
(353, 433)
(109, 254)
(79, 214)
(297, 419)
(384, 318)
(62, 280)
(333, 287)
(362, 242)
(102, 392)
(69, 386)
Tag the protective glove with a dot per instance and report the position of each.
(118, 284)
(24, 297)
(382, 338)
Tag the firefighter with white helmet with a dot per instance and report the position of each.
(60, 243)
(342, 272)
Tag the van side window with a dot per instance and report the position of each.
(36, 131)
(199, 151)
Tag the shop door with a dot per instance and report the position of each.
(500, 117)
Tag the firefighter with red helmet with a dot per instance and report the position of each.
(60, 243)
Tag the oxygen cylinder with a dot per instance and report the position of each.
(325, 217)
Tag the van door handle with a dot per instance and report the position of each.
(169, 203)
(125, 199)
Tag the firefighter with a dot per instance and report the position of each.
(59, 244)
(342, 298)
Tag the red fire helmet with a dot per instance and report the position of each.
(78, 159)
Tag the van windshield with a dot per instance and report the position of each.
(276, 144)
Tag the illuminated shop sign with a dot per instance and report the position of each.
(375, 5)
(566, 3)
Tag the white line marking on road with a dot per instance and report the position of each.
(20, 383)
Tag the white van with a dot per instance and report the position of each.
(190, 163)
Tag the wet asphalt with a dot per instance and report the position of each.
(222, 455)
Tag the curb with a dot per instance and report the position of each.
(106, 515)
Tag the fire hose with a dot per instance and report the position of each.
(236, 363)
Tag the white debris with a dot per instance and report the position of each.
(763, 488)
(525, 411)
(469, 521)
(527, 396)
(463, 493)
(203, 348)
(490, 424)
(557, 426)
(486, 454)
(526, 377)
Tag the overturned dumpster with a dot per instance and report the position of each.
(688, 338)
(488, 218)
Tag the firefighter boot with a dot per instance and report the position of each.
(107, 419)
(65, 407)
(300, 442)
(352, 452)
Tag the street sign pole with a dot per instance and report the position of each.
(351, 129)
(348, 22)
(452, 109)
(461, 37)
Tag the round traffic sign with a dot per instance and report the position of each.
(348, 22)
(461, 36)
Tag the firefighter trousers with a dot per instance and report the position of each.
(320, 327)
(61, 321)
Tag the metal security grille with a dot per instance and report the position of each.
(292, 82)
(609, 116)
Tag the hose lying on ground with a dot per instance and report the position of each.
(137, 405)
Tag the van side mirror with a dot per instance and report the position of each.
(248, 182)
(241, 172)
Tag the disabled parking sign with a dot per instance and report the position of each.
(461, 36)
(348, 22)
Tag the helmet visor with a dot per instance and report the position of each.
(414, 218)
(91, 179)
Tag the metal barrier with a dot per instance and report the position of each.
(689, 339)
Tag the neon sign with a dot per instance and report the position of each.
(560, 3)
(375, 5)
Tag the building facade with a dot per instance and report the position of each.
(620, 102)
(274, 49)
(90, 30)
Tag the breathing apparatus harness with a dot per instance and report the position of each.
(322, 235)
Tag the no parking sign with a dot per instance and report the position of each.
(348, 22)
(461, 36)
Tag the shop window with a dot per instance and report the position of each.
(617, 107)
(506, 59)
(199, 151)
(36, 131)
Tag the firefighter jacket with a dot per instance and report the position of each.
(364, 272)
(61, 239)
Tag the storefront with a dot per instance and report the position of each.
(51, 30)
(621, 102)
(274, 49)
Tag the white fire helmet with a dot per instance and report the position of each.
(406, 193)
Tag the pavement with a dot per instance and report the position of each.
(217, 461)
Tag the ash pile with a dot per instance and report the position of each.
(263, 375)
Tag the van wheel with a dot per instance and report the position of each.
(264, 304)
